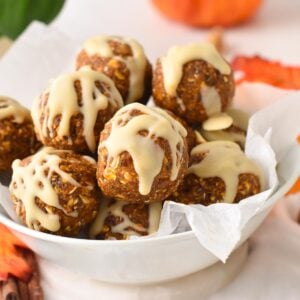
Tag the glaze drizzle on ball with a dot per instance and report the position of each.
(33, 181)
(63, 102)
(226, 161)
(113, 220)
(147, 156)
(177, 56)
(10, 108)
(136, 64)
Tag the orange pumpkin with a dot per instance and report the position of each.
(207, 13)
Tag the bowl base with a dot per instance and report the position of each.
(60, 284)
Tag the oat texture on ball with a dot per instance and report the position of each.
(219, 172)
(55, 191)
(17, 137)
(142, 155)
(71, 113)
(121, 220)
(193, 81)
(123, 60)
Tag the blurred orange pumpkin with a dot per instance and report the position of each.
(207, 13)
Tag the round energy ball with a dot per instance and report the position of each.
(123, 60)
(55, 191)
(194, 82)
(120, 220)
(219, 172)
(71, 113)
(142, 155)
(17, 137)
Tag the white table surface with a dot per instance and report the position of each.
(274, 32)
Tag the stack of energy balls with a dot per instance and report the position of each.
(108, 162)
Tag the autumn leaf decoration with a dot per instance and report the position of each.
(11, 259)
(257, 69)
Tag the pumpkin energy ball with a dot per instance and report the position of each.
(17, 137)
(219, 172)
(194, 82)
(120, 220)
(142, 155)
(123, 60)
(71, 113)
(55, 191)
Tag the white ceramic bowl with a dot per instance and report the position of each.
(131, 262)
(138, 261)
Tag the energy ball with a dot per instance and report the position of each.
(120, 220)
(123, 60)
(194, 82)
(191, 137)
(219, 171)
(55, 191)
(17, 137)
(235, 133)
(71, 113)
(142, 155)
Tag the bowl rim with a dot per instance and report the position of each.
(86, 242)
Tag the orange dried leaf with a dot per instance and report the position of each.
(11, 260)
(295, 189)
(257, 69)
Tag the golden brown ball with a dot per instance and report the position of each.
(124, 61)
(55, 191)
(142, 155)
(17, 137)
(194, 82)
(71, 113)
(219, 172)
(121, 220)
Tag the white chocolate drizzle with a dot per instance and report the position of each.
(126, 227)
(136, 64)
(63, 101)
(210, 99)
(146, 154)
(226, 161)
(10, 108)
(34, 181)
(177, 56)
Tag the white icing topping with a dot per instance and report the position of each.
(11, 108)
(147, 155)
(34, 181)
(217, 122)
(136, 64)
(177, 56)
(226, 161)
(63, 101)
(210, 99)
(107, 207)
